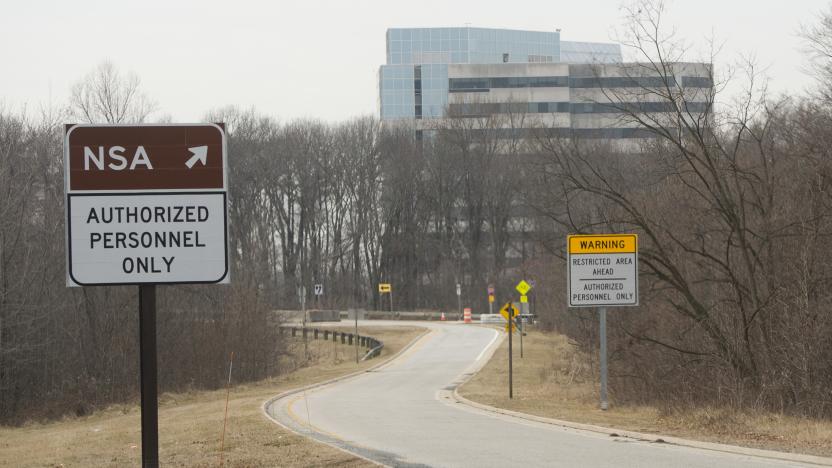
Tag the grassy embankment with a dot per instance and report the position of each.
(190, 424)
(554, 380)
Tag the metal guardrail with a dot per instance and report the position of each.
(373, 344)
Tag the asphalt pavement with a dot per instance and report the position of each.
(401, 415)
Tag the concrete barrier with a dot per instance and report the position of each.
(492, 318)
(323, 315)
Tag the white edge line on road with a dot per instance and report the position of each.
(488, 346)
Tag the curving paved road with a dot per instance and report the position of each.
(401, 415)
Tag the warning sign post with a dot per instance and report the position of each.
(603, 271)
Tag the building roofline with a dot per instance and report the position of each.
(553, 31)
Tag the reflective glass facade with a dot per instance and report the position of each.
(470, 45)
(414, 82)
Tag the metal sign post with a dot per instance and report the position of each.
(520, 327)
(319, 291)
(147, 364)
(385, 288)
(356, 335)
(603, 271)
(602, 317)
(302, 294)
(510, 376)
(459, 299)
(523, 288)
(509, 312)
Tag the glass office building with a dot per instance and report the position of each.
(414, 82)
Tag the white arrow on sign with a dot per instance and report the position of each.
(200, 154)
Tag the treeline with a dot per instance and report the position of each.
(347, 205)
(72, 349)
(358, 203)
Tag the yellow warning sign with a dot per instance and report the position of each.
(384, 287)
(523, 287)
(524, 298)
(509, 309)
(511, 327)
(606, 243)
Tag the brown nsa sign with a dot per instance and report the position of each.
(146, 204)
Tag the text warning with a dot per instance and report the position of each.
(603, 270)
(163, 238)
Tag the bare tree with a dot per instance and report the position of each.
(105, 95)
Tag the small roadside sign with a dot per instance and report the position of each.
(458, 289)
(385, 287)
(524, 299)
(319, 289)
(603, 270)
(490, 289)
(523, 287)
(509, 311)
(491, 298)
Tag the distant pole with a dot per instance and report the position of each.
(602, 312)
(355, 312)
(510, 376)
(521, 336)
(225, 418)
(391, 299)
(303, 310)
(459, 299)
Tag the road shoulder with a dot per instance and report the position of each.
(454, 396)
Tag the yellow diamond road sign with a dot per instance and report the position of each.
(509, 309)
(523, 287)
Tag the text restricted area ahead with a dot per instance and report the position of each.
(146, 204)
(603, 270)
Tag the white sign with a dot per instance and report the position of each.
(125, 239)
(458, 289)
(603, 270)
(146, 204)
(319, 289)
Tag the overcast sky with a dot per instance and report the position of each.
(319, 58)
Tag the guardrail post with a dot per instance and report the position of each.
(316, 333)
(349, 337)
(294, 332)
(326, 335)
(344, 338)
(304, 333)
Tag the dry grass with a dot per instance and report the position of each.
(190, 424)
(554, 380)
